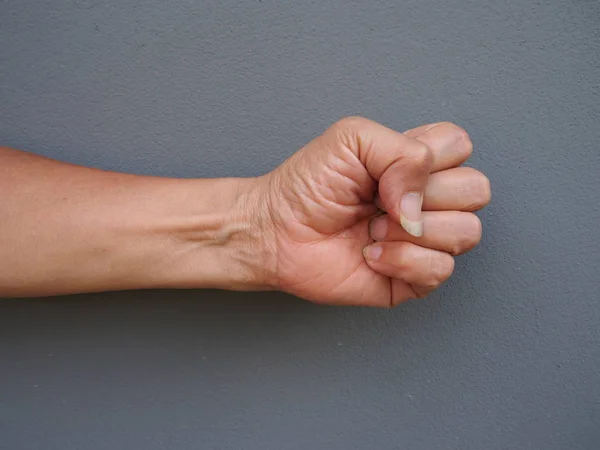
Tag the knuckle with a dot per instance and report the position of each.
(479, 190)
(352, 131)
(484, 190)
(487, 189)
(461, 136)
(431, 285)
(441, 269)
(458, 247)
(469, 238)
(351, 123)
(476, 231)
(448, 268)
(452, 128)
(421, 155)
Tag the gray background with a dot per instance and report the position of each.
(505, 356)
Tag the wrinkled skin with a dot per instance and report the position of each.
(321, 201)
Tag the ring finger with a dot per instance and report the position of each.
(454, 232)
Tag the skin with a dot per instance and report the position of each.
(363, 215)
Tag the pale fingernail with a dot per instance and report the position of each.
(378, 228)
(372, 252)
(410, 213)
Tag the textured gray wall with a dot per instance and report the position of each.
(505, 356)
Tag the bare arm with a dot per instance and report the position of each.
(311, 227)
(67, 229)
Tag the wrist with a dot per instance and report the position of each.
(222, 238)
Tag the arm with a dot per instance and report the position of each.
(68, 229)
(311, 227)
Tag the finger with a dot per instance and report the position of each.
(460, 189)
(454, 232)
(423, 268)
(401, 165)
(402, 291)
(416, 132)
(450, 144)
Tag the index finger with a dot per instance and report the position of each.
(450, 144)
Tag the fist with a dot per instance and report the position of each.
(365, 215)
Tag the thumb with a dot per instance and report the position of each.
(399, 163)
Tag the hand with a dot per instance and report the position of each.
(333, 245)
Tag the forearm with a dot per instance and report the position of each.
(68, 229)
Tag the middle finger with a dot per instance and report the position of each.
(458, 189)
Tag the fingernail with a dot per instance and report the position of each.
(378, 228)
(372, 252)
(410, 213)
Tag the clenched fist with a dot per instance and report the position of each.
(365, 215)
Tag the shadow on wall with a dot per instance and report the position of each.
(232, 326)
